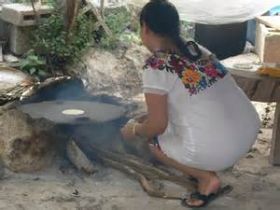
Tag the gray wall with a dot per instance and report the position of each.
(5, 1)
(4, 26)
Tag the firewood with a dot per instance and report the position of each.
(140, 170)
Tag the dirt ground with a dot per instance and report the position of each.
(61, 187)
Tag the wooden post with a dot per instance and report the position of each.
(102, 3)
(36, 5)
(99, 18)
(275, 147)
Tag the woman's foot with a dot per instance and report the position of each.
(210, 184)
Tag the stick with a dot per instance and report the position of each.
(138, 165)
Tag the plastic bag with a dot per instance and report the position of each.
(219, 11)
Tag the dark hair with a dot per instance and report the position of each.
(163, 19)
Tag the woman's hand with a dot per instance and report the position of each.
(127, 131)
(153, 124)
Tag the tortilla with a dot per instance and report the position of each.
(73, 112)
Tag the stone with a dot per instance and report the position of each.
(119, 76)
(268, 44)
(25, 144)
(10, 58)
(10, 78)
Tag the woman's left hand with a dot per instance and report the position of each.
(127, 131)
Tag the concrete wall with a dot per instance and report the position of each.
(5, 1)
(3, 25)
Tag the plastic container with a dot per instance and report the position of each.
(223, 40)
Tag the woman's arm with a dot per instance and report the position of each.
(157, 117)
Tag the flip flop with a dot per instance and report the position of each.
(206, 199)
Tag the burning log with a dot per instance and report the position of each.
(140, 170)
(78, 158)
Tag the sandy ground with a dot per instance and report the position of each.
(61, 187)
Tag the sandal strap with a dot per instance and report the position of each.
(206, 198)
(199, 196)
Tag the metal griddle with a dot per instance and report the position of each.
(95, 112)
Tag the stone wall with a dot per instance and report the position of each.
(5, 1)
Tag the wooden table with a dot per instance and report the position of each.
(263, 89)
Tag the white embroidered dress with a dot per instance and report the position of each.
(211, 123)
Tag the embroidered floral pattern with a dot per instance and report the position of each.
(190, 76)
(196, 76)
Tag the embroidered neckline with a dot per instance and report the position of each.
(196, 76)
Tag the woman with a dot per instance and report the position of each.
(198, 119)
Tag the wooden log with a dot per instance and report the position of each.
(78, 158)
(275, 147)
(147, 185)
(135, 167)
(256, 87)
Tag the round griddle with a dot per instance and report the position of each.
(89, 111)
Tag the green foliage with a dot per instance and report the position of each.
(118, 20)
(108, 42)
(59, 47)
(33, 64)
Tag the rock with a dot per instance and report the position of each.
(119, 76)
(25, 144)
(249, 156)
(266, 113)
(253, 166)
(273, 177)
(78, 158)
(11, 58)
(10, 77)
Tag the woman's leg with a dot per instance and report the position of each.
(208, 181)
